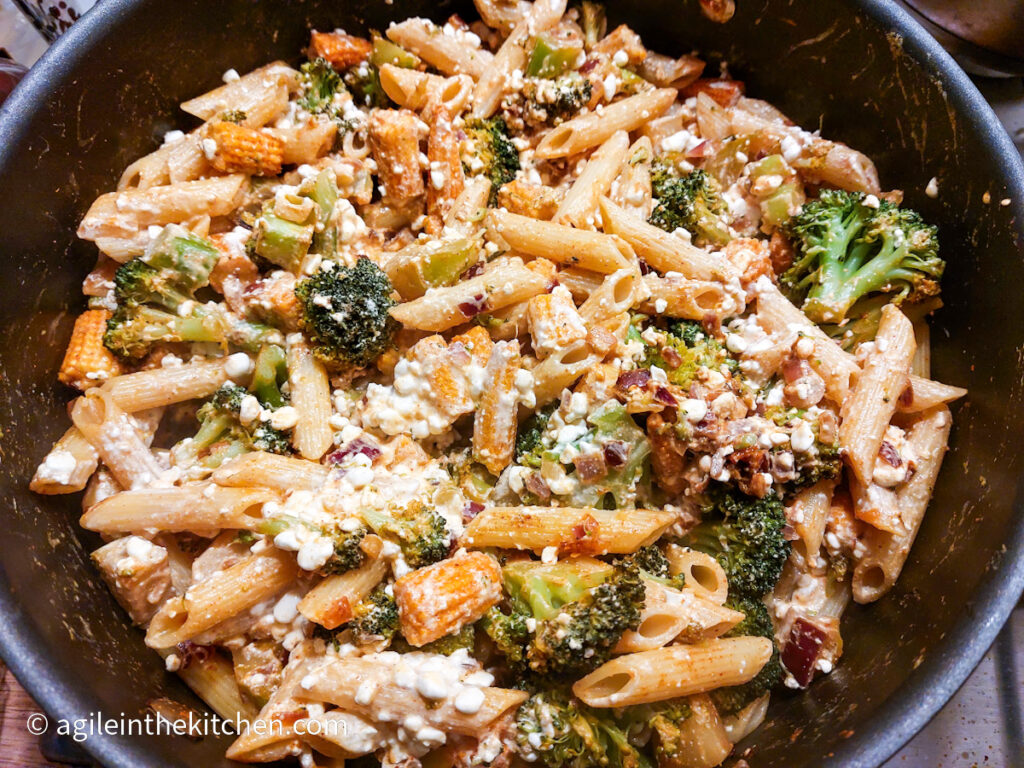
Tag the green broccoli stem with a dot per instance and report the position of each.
(843, 281)
(545, 589)
(386, 52)
(189, 256)
(325, 195)
(551, 57)
(419, 268)
(269, 371)
(282, 242)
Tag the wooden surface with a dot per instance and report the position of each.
(18, 748)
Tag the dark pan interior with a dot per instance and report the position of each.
(109, 90)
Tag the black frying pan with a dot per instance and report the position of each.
(861, 69)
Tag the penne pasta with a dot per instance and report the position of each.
(115, 436)
(331, 602)
(669, 614)
(311, 398)
(569, 531)
(269, 470)
(447, 53)
(158, 387)
(579, 206)
(494, 426)
(678, 670)
(67, 467)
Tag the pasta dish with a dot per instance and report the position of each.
(500, 393)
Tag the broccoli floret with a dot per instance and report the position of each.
(554, 101)
(376, 618)
(419, 530)
(559, 731)
(222, 436)
(345, 313)
(529, 439)
(664, 720)
(757, 623)
(690, 202)
(652, 562)
(492, 147)
(745, 536)
(579, 615)
(172, 269)
(347, 554)
(363, 81)
(319, 82)
(464, 639)
(849, 250)
(686, 350)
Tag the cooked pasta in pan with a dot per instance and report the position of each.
(500, 392)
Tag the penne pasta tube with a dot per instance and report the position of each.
(561, 244)
(269, 470)
(311, 398)
(678, 670)
(67, 467)
(631, 189)
(580, 282)
(663, 251)
(115, 436)
(221, 596)
(619, 293)
(572, 531)
(445, 171)
(331, 602)
(579, 206)
(876, 506)
(305, 143)
(879, 567)
(212, 678)
(177, 161)
(261, 94)
(703, 740)
(670, 613)
(394, 139)
(166, 386)
(199, 508)
(677, 296)
(594, 128)
(447, 53)
(413, 90)
(702, 572)
(470, 206)
(869, 409)
(561, 369)
(925, 394)
(506, 282)
(339, 681)
(809, 512)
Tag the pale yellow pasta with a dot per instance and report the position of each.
(670, 613)
(594, 128)
(809, 511)
(560, 244)
(261, 94)
(165, 386)
(747, 720)
(338, 682)
(115, 436)
(662, 251)
(448, 53)
(413, 90)
(560, 370)
(506, 282)
(138, 575)
(199, 508)
(701, 571)
(631, 190)
(125, 216)
(571, 531)
(179, 159)
(502, 15)
(494, 426)
(311, 398)
(872, 403)
(579, 205)
(331, 602)
(678, 296)
(67, 467)
(876, 505)
(306, 143)
(470, 206)
(580, 282)
(885, 553)
(922, 362)
(703, 739)
(269, 470)
(619, 293)
(924, 394)
(677, 670)
(395, 141)
(221, 596)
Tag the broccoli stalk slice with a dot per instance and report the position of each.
(269, 372)
(325, 194)
(552, 55)
(282, 242)
(386, 52)
(441, 262)
(545, 588)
